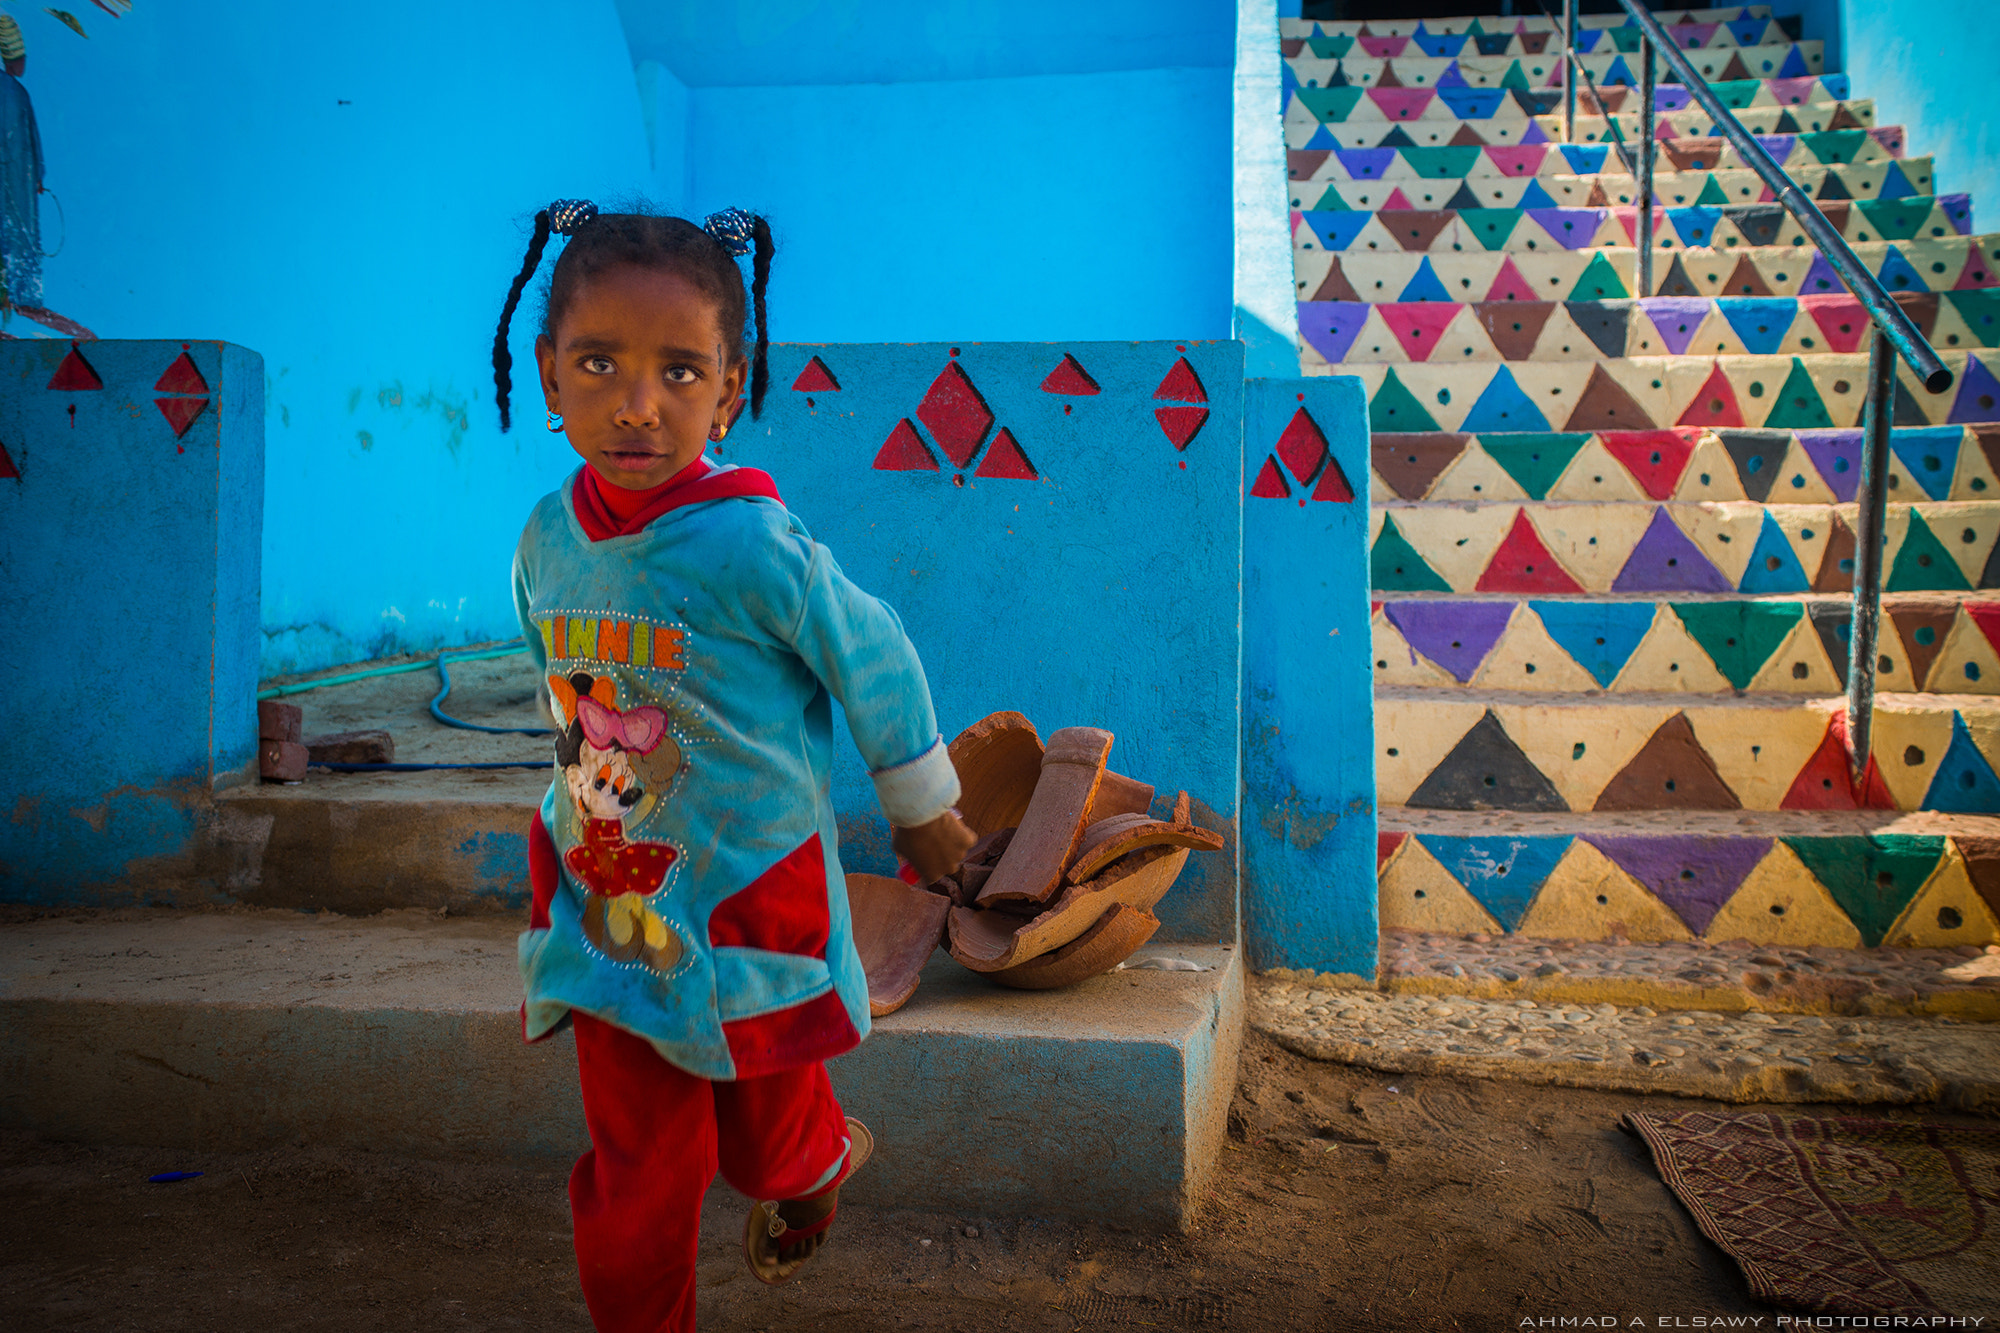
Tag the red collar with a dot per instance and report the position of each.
(605, 510)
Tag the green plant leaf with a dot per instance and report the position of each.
(64, 16)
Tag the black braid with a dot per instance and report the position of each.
(760, 275)
(503, 359)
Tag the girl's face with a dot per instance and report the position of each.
(640, 372)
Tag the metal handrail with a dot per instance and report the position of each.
(1894, 332)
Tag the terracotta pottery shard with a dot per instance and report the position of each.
(1104, 946)
(971, 879)
(994, 941)
(1108, 839)
(895, 929)
(992, 846)
(1049, 831)
(352, 747)
(1120, 795)
(999, 760)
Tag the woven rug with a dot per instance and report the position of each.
(1843, 1216)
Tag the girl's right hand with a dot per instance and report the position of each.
(935, 849)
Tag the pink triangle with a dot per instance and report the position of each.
(1401, 103)
(904, 451)
(815, 378)
(1417, 325)
(1302, 446)
(1070, 378)
(1840, 317)
(1383, 48)
(1397, 199)
(1977, 273)
(1517, 159)
(1270, 483)
(1509, 285)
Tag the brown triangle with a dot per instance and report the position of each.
(1843, 119)
(1514, 325)
(1839, 548)
(1989, 444)
(1598, 199)
(1693, 154)
(1982, 865)
(1735, 69)
(1836, 212)
(1745, 280)
(1410, 463)
(1335, 287)
(1534, 43)
(1415, 229)
(1302, 163)
(1921, 307)
(1914, 613)
(1670, 772)
(1606, 406)
(1388, 79)
(1467, 137)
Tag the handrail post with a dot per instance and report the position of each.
(1569, 71)
(1643, 196)
(1873, 493)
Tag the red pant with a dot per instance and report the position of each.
(657, 1135)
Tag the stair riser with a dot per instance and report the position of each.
(1939, 891)
(1695, 37)
(1513, 107)
(1693, 122)
(1792, 151)
(1780, 647)
(1297, 28)
(1678, 191)
(1512, 752)
(1786, 60)
(1509, 178)
(1573, 550)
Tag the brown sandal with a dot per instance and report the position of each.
(765, 1234)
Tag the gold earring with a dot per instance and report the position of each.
(719, 433)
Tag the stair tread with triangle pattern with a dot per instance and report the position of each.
(1371, 178)
(1300, 27)
(1783, 60)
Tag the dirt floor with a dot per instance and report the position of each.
(1346, 1200)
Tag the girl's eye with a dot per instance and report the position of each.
(598, 365)
(682, 374)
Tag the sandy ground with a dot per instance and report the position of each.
(1346, 1200)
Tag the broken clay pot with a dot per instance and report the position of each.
(1109, 839)
(1032, 867)
(999, 760)
(992, 941)
(1120, 795)
(895, 929)
(1106, 944)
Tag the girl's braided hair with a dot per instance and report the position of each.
(704, 255)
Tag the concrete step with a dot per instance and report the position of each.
(1554, 549)
(1289, 28)
(1610, 68)
(1684, 463)
(1692, 122)
(1664, 750)
(1851, 147)
(1801, 880)
(400, 1033)
(1504, 115)
(1430, 40)
(1395, 228)
(1717, 645)
(1927, 264)
(1449, 177)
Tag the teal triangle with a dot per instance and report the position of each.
(1895, 185)
(1601, 636)
(1899, 274)
(1930, 455)
(1503, 873)
(1760, 321)
(1964, 784)
(1395, 566)
(1536, 197)
(1490, 226)
(1504, 406)
(1425, 285)
(1774, 566)
(1331, 202)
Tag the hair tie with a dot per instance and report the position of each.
(566, 215)
(733, 229)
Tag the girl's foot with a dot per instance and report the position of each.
(780, 1235)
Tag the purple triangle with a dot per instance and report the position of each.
(1583, 224)
(1451, 77)
(1455, 635)
(1693, 876)
(1331, 326)
(1820, 278)
(1837, 455)
(1533, 134)
(1671, 97)
(1666, 561)
(1978, 395)
(1365, 164)
(1779, 146)
(1678, 318)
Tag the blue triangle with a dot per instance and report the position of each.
(1895, 185)
(1774, 566)
(1322, 138)
(1931, 455)
(1794, 66)
(1452, 77)
(1695, 226)
(1504, 406)
(1899, 274)
(1837, 86)
(1289, 81)
(1760, 321)
(1601, 636)
(1749, 32)
(1535, 196)
(1619, 75)
(1502, 873)
(1336, 231)
(1425, 285)
(1964, 784)
(1586, 39)
(1585, 159)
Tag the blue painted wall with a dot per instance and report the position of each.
(128, 581)
(1309, 896)
(1929, 64)
(1102, 594)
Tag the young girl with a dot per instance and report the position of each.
(689, 909)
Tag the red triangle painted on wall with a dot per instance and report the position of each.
(7, 468)
(1715, 405)
(180, 412)
(1826, 782)
(1385, 847)
(1181, 424)
(815, 378)
(1005, 460)
(904, 451)
(1333, 484)
(1655, 458)
(1986, 615)
(1270, 483)
(75, 374)
(1302, 446)
(182, 377)
(1070, 378)
(1182, 385)
(1523, 564)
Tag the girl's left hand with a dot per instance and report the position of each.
(934, 849)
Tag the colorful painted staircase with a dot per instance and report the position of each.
(1613, 530)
